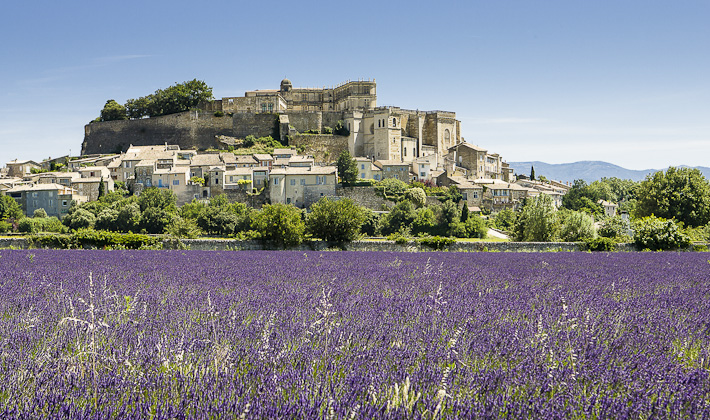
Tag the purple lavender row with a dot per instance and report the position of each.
(171, 334)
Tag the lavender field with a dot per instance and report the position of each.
(345, 335)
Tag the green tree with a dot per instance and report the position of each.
(583, 197)
(9, 209)
(613, 227)
(177, 98)
(183, 228)
(157, 198)
(657, 234)
(370, 227)
(464, 212)
(425, 222)
(81, 218)
(128, 217)
(392, 187)
(532, 173)
(39, 213)
(335, 221)
(107, 220)
(505, 220)
(576, 226)
(416, 195)
(537, 221)
(401, 216)
(192, 210)
(281, 224)
(155, 220)
(680, 193)
(217, 221)
(102, 188)
(113, 111)
(475, 227)
(347, 168)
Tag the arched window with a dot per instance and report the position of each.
(379, 123)
(394, 122)
(447, 136)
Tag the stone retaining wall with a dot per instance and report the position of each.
(237, 245)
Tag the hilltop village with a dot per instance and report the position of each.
(317, 124)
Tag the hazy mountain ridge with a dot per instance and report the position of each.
(586, 170)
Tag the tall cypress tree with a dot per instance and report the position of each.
(532, 173)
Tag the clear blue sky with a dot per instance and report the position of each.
(626, 82)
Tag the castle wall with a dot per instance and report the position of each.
(306, 120)
(325, 148)
(255, 124)
(189, 130)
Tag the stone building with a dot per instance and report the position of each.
(361, 94)
(55, 199)
(381, 133)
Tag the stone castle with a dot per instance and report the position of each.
(380, 133)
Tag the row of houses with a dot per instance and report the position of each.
(281, 177)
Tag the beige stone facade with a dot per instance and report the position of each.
(302, 186)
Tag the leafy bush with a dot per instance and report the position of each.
(5, 227)
(27, 225)
(614, 227)
(391, 187)
(80, 218)
(537, 222)
(39, 213)
(401, 216)
(337, 221)
(183, 228)
(281, 224)
(576, 226)
(425, 221)
(416, 195)
(505, 220)
(600, 244)
(89, 238)
(398, 238)
(659, 234)
(436, 242)
(476, 227)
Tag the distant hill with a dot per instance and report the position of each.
(587, 170)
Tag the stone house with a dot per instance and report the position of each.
(173, 178)
(609, 208)
(264, 160)
(55, 199)
(246, 161)
(394, 169)
(61, 178)
(20, 168)
(471, 192)
(367, 170)
(302, 186)
(238, 179)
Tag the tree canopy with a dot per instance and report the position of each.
(337, 221)
(537, 222)
(347, 168)
(177, 98)
(113, 111)
(682, 194)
